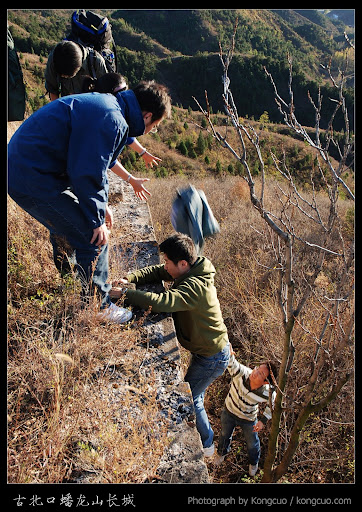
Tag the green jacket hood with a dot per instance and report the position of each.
(201, 268)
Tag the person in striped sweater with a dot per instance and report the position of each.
(248, 389)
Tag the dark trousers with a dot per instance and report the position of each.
(228, 424)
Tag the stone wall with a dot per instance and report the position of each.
(183, 459)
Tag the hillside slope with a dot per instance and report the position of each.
(58, 428)
(180, 47)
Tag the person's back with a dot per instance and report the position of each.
(45, 159)
(67, 66)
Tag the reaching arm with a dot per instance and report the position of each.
(149, 159)
(137, 183)
(171, 301)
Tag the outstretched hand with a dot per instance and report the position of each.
(258, 426)
(118, 288)
(120, 282)
(138, 187)
(150, 160)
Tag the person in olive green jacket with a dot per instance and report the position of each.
(195, 308)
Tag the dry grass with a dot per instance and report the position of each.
(75, 409)
(75, 405)
(62, 364)
(246, 284)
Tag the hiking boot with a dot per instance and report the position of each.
(218, 459)
(253, 469)
(114, 314)
(209, 451)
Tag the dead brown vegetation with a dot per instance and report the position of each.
(59, 429)
(70, 417)
(246, 288)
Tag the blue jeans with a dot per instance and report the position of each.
(70, 235)
(200, 374)
(228, 424)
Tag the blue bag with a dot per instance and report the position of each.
(192, 215)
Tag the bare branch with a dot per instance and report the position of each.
(348, 41)
(282, 224)
(287, 111)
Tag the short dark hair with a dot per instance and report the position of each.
(273, 372)
(179, 247)
(67, 58)
(154, 98)
(106, 83)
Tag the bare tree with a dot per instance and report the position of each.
(299, 260)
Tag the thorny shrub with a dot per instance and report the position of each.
(246, 281)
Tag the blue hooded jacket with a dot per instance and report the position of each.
(71, 142)
(192, 215)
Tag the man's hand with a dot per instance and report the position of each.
(100, 235)
(120, 282)
(258, 426)
(116, 293)
(138, 187)
(109, 217)
(150, 160)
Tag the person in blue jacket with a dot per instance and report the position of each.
(113, 83)
(57, 172)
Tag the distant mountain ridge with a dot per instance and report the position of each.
(344, 15)
(180, 48)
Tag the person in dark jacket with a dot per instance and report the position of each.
(68, 71)
(195, 308)
(74, 69)
(67, 65)
(57, 171)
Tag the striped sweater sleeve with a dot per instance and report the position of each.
(235, 368)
